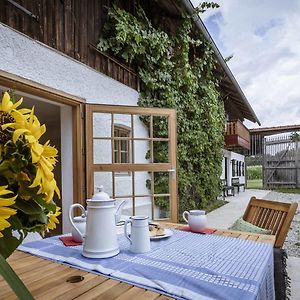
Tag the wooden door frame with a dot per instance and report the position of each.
(114, 167)
(36, 89)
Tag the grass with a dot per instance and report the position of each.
(254, 184)
(214, 205)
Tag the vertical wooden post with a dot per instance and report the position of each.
(264, 147)
(297, 166)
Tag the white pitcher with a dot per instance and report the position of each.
(139, 237)
(196, 219)
(100, 239)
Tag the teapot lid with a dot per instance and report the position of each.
(101, 195)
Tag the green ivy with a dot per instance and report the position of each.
(176, 71)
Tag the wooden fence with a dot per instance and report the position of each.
(281, 162)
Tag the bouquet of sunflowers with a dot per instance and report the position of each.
(27, 184)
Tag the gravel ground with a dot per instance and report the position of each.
(292, 242)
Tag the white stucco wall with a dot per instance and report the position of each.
(230, 156)
(27, 58)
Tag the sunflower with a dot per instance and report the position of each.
(5, 211)
(52, 221)
(43, 156)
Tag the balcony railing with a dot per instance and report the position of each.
(237, 135)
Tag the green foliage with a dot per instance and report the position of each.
(254, 172)
(176, 72)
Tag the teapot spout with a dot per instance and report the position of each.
(118, 211)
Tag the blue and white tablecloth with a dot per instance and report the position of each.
(184, 266)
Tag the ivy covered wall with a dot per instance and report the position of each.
(176, 71)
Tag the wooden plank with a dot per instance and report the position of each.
(69, 28)
(40, 281)
(172, 134)
(82, 289)
(27, 86)
(64, 287)
(149, 295)
(132, 167)
(99, 290)
(116, 290)
(136, 110)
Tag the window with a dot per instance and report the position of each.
(233, 167)
(121, 145)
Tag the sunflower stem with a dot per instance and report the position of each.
(13, 280)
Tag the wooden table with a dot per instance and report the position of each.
(48, 280)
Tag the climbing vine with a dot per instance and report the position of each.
(176, 71)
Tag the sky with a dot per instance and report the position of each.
(264, 38)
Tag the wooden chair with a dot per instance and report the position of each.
(272, 215)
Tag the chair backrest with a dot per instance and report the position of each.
(272, 215)
(235, 181)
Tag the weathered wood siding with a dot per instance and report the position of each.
(281, 162)
(70, 26)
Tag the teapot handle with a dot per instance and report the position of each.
(185, 216)
(125, 230)
(71, 216)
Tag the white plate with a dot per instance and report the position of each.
(168, 233)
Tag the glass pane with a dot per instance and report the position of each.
(102, 152)
(127, 210)
(122, 121)
(143, 206)
(142, 183)
(141, 152)
(141, 126)
(101, 125)
(104, 179)
(161, 152)
(160, 127)
(123, 184)
(162, 208)
(161, 183)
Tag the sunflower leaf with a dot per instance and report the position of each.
(28, 207)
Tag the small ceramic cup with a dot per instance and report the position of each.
(196, 219)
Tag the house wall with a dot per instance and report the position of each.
(27, 58)
(72, 27)
(230, 156)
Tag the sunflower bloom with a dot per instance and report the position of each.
(43, 156)
(5, 210)
(7, 105)
(53, 219)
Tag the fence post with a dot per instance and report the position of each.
(297, 159)
(264, 162)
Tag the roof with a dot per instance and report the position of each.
(229, 84)
(275, 129)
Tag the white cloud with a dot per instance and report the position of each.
(263, 36)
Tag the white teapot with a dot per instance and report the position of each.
(100, 238)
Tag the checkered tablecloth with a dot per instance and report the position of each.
(184, 266)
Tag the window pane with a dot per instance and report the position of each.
(161, 152)
(123, 184)
(102, 152)
(161, 182)
(103, 179)
(160, 127)
(162, 208)
(141, 126)
(141, 152)
(143, 207)
(101, 125)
